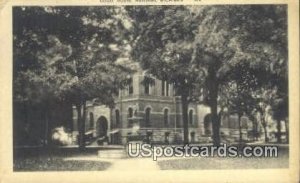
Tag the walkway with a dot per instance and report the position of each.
(127, 164)
(134, 164)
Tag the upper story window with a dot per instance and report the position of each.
(148, 82)
(175, 91)
(130, 86)
(128, 89)
(147, 86)
(164, 88)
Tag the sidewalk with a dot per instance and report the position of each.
(127, 164)
(134, 164)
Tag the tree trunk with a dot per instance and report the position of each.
(184, 106)
(255, 130)
(81, 126)
(46, 128)
(240, 128)
(213, 87)
(79, 139)
(83, 123)
(215, 124)
(265, 129)
(46, 113)
(213, 95)
(278, 131)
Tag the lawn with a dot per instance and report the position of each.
(222, 163)
(55, 160)
(193, 163)
(41, 159)
(57, 164)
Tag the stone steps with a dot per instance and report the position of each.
(112, 154)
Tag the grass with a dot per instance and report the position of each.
(204, 163)
(222, 163)
(57, 164)
(54, 160)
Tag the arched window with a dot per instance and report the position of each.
(117, 118)
(147, 117)
(191, 117)
(166, 117)
(207, 124)
(91, 120)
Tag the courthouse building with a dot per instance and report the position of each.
(147, 108)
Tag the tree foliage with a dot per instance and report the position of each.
(211, 46)
(73, 54)
(69, 53)
(164, 47)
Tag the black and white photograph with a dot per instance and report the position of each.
(150, 88)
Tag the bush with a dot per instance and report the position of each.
(59, 136)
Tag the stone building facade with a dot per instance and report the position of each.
(149, 108)
(152, 107)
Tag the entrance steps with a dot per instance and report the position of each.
(113, 154)
(119, 153)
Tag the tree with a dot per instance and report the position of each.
(238, 94)
(72, 53)
(163, 46)
(275, 104)
(280, 113)
(243, 30)
(195, 45)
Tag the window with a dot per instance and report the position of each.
(167, 89)
(166, 117)
(147, 117)
(147, 89)
(117, 118)
(164, 88)
(207, 124)
(91, 120)
(193, 137)
(147, 86)
(148, 82)
(176, 92)
(191, 117)
(167, 137)
(130, 86)
(130, 114)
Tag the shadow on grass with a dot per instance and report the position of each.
(222, 163)
(206, 163)
(41, 159)
(58, 164)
